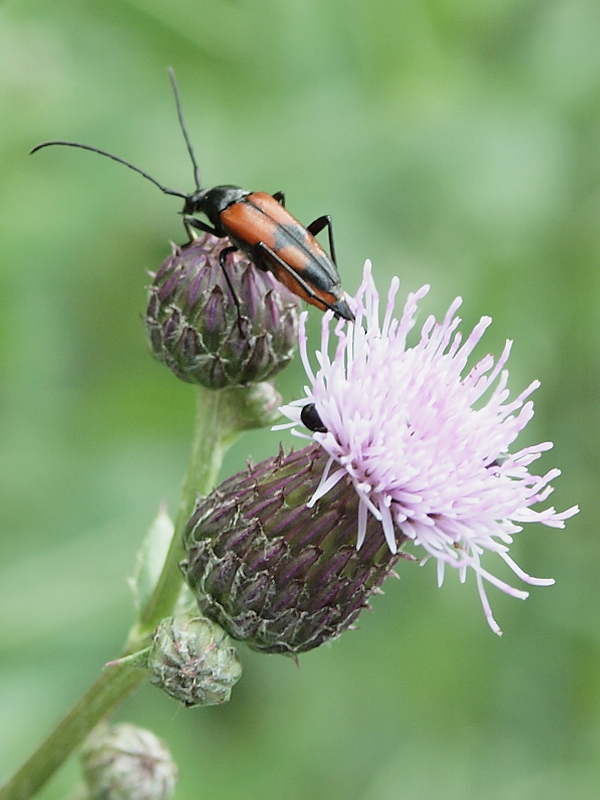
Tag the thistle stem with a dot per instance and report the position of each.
(217, 423)
(213, 434)
(113, 686)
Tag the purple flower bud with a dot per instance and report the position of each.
(272, 571)
(195, 326)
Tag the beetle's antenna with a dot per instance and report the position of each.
(186, 136)
(114, 158)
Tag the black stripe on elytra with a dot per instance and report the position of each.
(294, 235)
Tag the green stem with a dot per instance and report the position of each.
(114, 685)
(217, 423)
(213, 433)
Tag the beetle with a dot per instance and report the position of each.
(310, 418)
(259, 225)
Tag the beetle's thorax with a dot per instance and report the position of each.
(212, 202)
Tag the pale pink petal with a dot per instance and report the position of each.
(402, 423)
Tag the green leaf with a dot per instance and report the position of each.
(151, 557)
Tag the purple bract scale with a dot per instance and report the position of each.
(424, 438)
(219, 327)
(281, 576)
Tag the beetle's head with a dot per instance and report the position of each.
(194, 203)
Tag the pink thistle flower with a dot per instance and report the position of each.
(424, 438)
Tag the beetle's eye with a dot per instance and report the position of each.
(311, 419)
(191, 203)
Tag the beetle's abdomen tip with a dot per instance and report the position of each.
(341, 309)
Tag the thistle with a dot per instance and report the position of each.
(219, 330)
(409, 443)
(425, 440)
(275, 573)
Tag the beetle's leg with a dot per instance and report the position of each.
(264, 253)
(317, 226)
(280, 197)
(190, 223)
(226, 251)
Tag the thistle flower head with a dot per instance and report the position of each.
(208, 335)
(424, 438)
(274, 573)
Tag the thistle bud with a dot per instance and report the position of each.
(194, 661)
(125, 762)
(275, 573)
(207, 336)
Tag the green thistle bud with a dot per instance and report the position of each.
(124, 762)
(194, 326)
(194, 661)
(271, 571)
(254, 406)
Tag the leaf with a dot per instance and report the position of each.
(151, 557)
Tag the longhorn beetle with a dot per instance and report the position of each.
(259, 225)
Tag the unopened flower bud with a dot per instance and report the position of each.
(254, 406)
(193, 660)
(125, 762)
(272, 571)
(208, 336)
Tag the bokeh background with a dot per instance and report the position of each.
(455, 142)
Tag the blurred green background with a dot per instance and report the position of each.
(455, 142)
